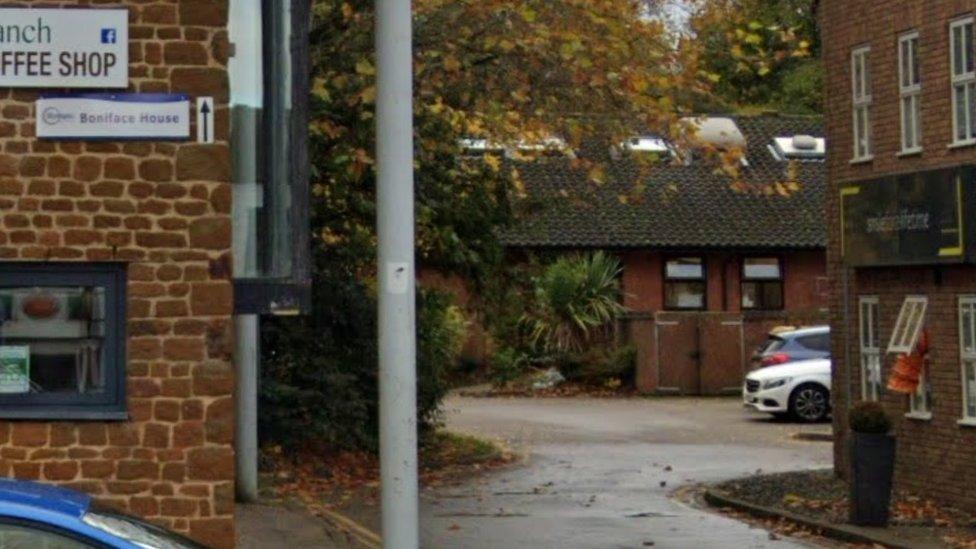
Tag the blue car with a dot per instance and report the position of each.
(36, 516)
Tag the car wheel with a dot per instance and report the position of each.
(810, 403)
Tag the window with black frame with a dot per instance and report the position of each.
(762, 284)
(62, 341)
(684, 284)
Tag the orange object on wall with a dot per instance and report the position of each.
(907, 371)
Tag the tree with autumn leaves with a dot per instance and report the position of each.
(504, 71)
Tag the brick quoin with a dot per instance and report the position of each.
(935, 458)
(164, 209)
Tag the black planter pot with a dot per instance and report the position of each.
(872, 470)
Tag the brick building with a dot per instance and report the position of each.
(125, 261)
(708, 268)
(900, 123)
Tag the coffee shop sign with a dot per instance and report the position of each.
(64, 48)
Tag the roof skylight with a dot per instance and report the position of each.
(799, 147)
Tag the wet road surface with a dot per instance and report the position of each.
(601, 473)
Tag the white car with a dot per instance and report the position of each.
(800, 389)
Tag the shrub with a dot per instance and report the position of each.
(599, 364)
(319, 373)
(507, 365)
(576, 299)
(869, 417)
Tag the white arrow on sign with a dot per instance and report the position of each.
(205, 120)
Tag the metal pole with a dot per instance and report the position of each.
(246, 358)
(395, 265)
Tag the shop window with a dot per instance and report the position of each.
(684, 284)
(963, 70)
(762, 284)
(967, 353)
(870, 348)
(910, 88)
(908, 327)
(269, 75)
(861, 84)
(62, 341)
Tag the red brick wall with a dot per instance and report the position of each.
(804, 291)
(164, 208)
(936, 457)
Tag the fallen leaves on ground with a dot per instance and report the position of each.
(324, 481)
(820, 495)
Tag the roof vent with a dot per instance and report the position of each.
(544, 144)
(721, 133)
(646, 143)
(799, 147)
(479, 146)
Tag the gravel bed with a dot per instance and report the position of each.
(822, 496)
(819, 494)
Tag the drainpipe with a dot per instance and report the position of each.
(849, 377)
(246, 357)
(247, 100)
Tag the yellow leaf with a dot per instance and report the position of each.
(597, 175)
(368, 95)
(452, 64)
(493, 162)
(365, 67)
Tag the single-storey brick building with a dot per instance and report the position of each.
(709, 266)
(901, 93)
(128, 247)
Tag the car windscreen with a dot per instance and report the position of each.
(135, 531)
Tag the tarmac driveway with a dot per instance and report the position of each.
(601, 473)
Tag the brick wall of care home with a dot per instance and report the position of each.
(643, 289)
(164, 209)
(936, 458)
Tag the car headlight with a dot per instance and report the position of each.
(774, 383)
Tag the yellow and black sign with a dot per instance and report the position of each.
(909, 219)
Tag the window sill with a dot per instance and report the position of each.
(968, 422)
(919, 416)
(962, 144)
(908, 153)
(862, 160)
(60, 414)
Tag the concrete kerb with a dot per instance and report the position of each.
(812, 436)
(840, 532)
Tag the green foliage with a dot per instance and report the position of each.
(869, 417)
(561, 314)
(508, 364)
(318, 377)
(441, 330)
(318, 373)
(576, 300)
(758, 53)
(600, 363)
(801, 90)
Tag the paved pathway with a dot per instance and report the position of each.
(599, 473)
(277, 527)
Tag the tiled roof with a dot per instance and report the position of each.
(680, 206)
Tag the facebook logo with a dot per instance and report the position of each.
(109, 36)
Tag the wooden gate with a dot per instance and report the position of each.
(699, 353)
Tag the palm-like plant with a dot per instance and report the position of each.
(576, 299)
